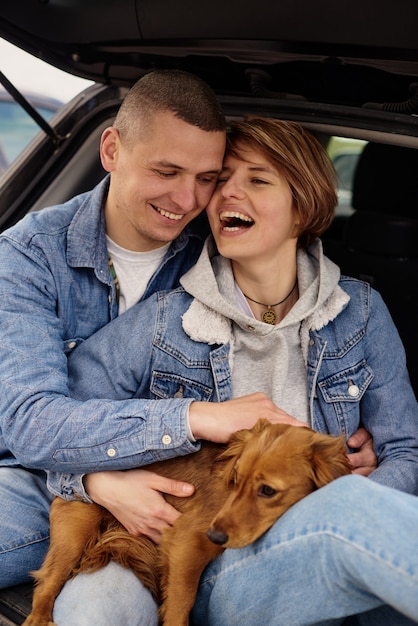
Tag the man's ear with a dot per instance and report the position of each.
(109, 148)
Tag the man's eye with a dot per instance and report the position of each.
(166, 174)
(207, 180)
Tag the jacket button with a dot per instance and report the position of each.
(166, 440)
(353, 391)
(111, 452)
(72, 345)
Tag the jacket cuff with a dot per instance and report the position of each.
(68, 486)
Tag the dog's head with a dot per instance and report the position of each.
(272, 467)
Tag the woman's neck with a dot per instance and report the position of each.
(270, 293)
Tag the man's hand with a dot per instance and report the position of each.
(136, 498)
(364, 460)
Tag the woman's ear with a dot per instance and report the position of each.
(296, 226)
(109, 148)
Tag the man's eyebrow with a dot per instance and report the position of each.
(169, 165)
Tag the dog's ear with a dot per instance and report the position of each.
(236, 445)
(232, 453)
(329, 458)
(260, 425)
(241, 437)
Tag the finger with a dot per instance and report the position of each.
(173, 487)
(359, 438)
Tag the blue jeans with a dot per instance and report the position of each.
(349, 548)
(24, 523)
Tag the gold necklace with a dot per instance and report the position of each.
(269, 316)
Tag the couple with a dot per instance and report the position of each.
(324, 365)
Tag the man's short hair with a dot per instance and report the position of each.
(186, 96)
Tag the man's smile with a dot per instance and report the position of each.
(171, 216)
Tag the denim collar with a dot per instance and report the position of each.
(86, 241)
(86, 238)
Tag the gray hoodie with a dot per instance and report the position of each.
(264, 358)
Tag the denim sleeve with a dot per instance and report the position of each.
(41, 425)
(389, 410)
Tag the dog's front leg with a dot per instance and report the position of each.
(72, 524)
(185, 552)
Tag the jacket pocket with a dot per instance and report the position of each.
(348, 385)
(165, 385)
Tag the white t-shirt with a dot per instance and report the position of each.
(134, 270)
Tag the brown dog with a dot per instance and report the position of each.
(239, 493)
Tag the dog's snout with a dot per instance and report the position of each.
(217, 536)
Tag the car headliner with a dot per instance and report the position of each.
(349, 52)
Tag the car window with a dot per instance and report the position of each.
(44, 86)
(17, 128)
(344, 154)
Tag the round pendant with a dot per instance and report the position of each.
(269, 317)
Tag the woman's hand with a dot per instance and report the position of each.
(136, 498)
(217, 421)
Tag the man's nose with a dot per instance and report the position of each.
(185, 195)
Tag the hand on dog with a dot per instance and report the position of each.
(217, 421)
(135, 498)
(363, 460)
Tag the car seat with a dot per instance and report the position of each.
(380, 239)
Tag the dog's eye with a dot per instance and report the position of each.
(265, 491)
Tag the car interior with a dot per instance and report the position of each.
(348, 73)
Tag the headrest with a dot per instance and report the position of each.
(382, 235)
(386, 180)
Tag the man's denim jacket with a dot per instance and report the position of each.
(55, 291)
(356, 375)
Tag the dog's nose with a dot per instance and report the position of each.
(217, 536)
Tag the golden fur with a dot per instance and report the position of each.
(241, 490)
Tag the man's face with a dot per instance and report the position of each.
(160, 183)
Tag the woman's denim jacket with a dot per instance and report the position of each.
(356, 375)
(55, 291)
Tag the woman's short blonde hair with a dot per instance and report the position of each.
(301, 160)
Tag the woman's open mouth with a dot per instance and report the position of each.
(234, 220)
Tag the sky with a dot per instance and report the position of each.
(32, 74)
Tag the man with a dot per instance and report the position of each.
(163, 155)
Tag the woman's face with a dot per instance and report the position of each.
(251, 213)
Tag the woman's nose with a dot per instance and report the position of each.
(232, 188)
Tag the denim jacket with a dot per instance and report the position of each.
(55, 291)
(355, 368)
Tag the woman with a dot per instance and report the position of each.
(264, 311)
